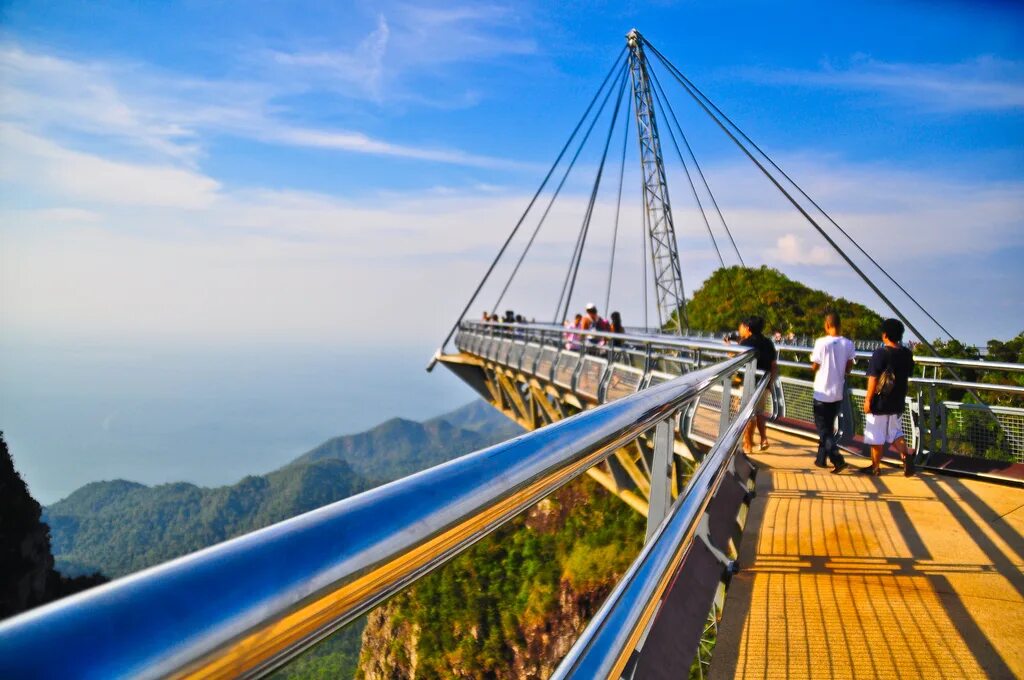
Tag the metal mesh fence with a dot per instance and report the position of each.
(969, 430)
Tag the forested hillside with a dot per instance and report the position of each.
(118, 527)
(787, 306)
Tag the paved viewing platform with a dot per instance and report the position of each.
(851, 575)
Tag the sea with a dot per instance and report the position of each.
(80, 412)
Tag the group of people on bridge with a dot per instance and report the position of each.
(832, 359)
(592, 321)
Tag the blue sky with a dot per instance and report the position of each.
(270, 176)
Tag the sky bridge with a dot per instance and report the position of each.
(756, 566)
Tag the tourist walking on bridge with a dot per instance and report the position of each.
(751, 334)
(831, 360)
(888, 374)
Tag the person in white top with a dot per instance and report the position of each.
(831, 359)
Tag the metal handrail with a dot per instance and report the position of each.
(610, 638)
(245, 606)
(677, 342)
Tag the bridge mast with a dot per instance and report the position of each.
(668, 277)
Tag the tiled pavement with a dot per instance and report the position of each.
(855, 576)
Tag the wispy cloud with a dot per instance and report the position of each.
(361, 67)
(410, 51)
(136, 110)
(69, 175)
(985, 83)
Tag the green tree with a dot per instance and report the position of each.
(788, 306)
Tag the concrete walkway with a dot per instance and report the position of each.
(855, 576)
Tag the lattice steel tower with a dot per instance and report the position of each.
(668, 277)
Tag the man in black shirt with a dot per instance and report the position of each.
(751, 334)
(888, 374)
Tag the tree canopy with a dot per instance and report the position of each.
(788, 306)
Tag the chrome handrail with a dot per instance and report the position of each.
(610, 638)
(673, 342)
(246, 606)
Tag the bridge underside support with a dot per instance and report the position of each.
(534, 403)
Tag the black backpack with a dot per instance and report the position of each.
(887, 380)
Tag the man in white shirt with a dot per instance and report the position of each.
(831, 360)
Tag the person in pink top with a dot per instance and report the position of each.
(831, 359)
(572, 340)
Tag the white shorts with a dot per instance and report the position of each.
(882, 430)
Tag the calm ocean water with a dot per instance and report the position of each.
(76, 414)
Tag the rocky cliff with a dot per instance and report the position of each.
(27, 576)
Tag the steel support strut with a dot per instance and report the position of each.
(668, 277)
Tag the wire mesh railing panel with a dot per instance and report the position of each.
(591, 373)
(799, 396)
(530, 355)
(565, 368)
(623, 381)
(548, 356)
(503, 349)
(707, 415)
(515, 355)
(971, 431)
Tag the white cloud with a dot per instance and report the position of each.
(985, 83)
(791, 249)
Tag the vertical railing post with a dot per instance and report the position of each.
(724, 415)
(749, 382)
(943, 428)
(661, 481)
(933, 419)
(922, 424)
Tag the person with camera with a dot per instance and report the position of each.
(888, 375)
(751, 334)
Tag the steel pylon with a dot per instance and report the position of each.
(668, 277)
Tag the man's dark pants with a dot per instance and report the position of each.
(825, 413)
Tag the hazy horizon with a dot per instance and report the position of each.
(208, 417)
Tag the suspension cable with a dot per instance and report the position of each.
(593, 196)
(547, 210)
(533, 200)
(703, 179)
(581, 235)
(809, 199)
(683, 81)
(618, 208)
(796, 204)
(689, 179)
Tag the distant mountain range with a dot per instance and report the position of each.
(117, 527)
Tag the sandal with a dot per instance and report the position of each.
(764, 446)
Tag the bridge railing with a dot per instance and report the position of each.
(945, 425)
(248, 605)
(612, 644)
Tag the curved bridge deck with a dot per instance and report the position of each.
(851, 576)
